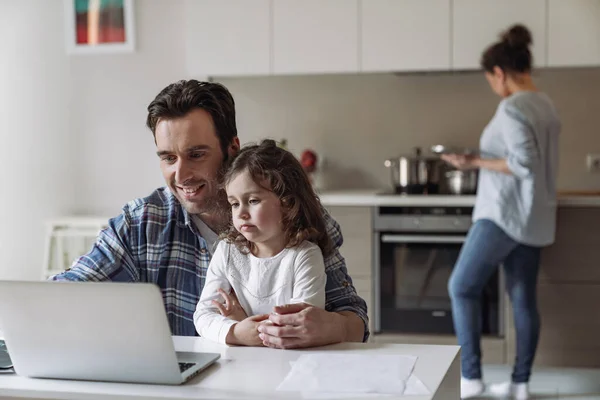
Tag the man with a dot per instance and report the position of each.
(167, 237)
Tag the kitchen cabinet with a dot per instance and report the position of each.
(573, 258)
(228, 38)
(405, 35)
(315, 36)
(356, 226)
(568, 293)
(573, 33)
(478, 23)
(570, 327)
(283, 37)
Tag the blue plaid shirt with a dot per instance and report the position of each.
(155, 240)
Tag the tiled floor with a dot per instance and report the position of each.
(553, 383)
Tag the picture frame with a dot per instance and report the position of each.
(99, 26)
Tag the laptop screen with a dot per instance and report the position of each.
(5, 362)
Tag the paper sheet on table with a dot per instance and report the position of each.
(332, 374)
(414, 387)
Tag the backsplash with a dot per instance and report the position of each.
(355, 122)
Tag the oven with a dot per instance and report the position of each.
(415, 249)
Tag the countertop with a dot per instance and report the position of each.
(373, 197)
(247, 373)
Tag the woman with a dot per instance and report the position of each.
(515, 211)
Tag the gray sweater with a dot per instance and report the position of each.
(524, 131)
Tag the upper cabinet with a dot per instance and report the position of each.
(405, 35)
(477, 24)
(283, 37)
(573, 33)
(315, 36)
(228, 37)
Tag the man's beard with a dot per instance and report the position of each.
(215, 210)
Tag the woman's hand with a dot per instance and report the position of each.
(232, 308)
(462, 161)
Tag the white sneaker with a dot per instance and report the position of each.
(510, 390)
(470, 388)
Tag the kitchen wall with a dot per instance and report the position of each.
(73, 126)
(357, 121)
(116, 153)
(353, 121)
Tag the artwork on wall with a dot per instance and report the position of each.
(99, 26)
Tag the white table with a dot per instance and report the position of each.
(245, 373)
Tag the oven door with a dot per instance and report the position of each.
(411, 285)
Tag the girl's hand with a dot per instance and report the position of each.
(461, 161)
(232, 308)
(245, 333)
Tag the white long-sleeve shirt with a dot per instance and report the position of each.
(295, 275)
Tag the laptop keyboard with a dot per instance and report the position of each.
(185, 366)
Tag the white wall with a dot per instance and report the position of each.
(37, 171)
(116, 154)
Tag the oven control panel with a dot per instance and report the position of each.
(422, 219)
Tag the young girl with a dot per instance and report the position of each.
(272, 253)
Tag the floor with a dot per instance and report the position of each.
(552, 383)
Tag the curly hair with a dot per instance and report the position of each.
(278, 171)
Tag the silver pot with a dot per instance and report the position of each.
(415, 174)
(462, 182)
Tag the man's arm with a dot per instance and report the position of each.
(355, 327)
(341, 296)
(110, 258)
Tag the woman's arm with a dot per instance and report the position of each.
(465, 162)
(498, 165)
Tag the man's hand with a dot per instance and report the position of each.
(245, 333)
(232, 308)
(302, 325)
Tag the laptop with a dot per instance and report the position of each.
(116, 332)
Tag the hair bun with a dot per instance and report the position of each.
(518, 36)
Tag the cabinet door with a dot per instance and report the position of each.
(573, 258)
(404, 35)
(315, 36)
(570, 327)
(228, 38)
(356, 226)
(573, 33)
(478, 23)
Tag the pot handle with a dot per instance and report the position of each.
(389, 163)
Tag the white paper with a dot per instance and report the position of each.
(334, 374)
(414, 387)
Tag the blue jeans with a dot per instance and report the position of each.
(487, 247)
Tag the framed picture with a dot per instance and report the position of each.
(99, 26)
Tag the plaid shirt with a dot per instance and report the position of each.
(155, 240)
